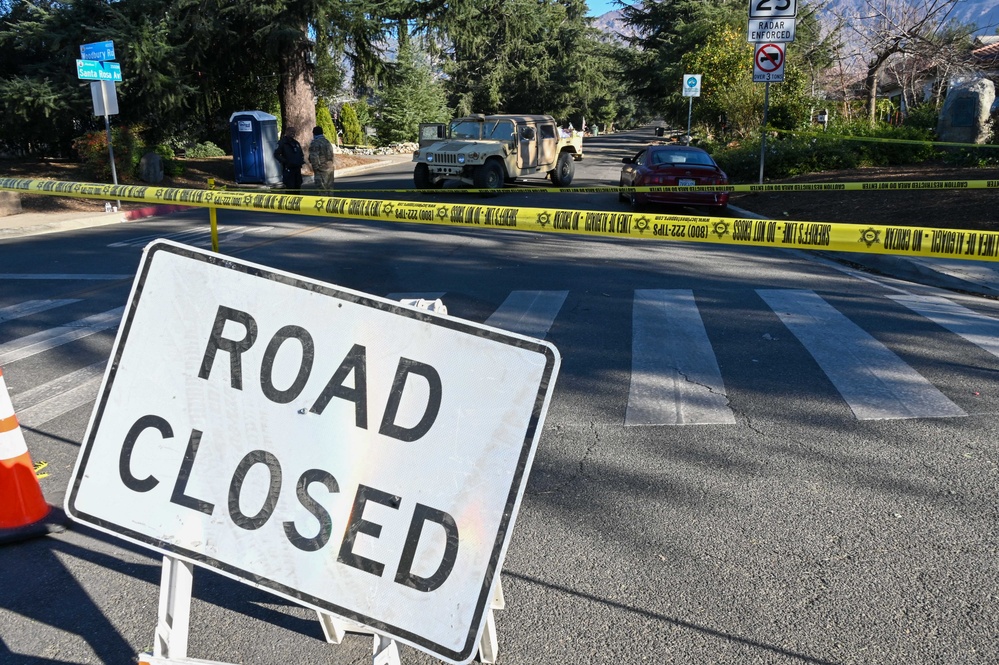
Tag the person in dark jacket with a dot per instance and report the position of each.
(290, 156)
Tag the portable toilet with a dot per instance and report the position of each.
(254, 138)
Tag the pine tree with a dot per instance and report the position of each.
(412, 95)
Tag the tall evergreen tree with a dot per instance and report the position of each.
(412, 95)
(664, 32)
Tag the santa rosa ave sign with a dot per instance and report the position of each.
(338, 449)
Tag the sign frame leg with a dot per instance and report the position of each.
(174, 622)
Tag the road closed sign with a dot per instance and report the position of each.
(338, 449)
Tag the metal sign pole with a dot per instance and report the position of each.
(763, 132)
(690, 110)
(107, 127)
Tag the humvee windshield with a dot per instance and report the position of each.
(492, 130)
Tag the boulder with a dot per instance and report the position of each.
(151, 168)
(10, 203)
(965, 114)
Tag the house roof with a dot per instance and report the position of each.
(986, 55)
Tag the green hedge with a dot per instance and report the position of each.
(790, 154)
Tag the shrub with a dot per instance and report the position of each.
(171, 166)
(325, 120)
(795, 154)
(92, 150)
(924, 116)
(203, 150)
(352, 132)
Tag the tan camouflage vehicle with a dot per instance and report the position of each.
(487, 151)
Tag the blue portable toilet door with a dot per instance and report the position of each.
(250, 166)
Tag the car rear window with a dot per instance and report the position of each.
(680, 157)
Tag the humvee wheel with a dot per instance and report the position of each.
(489, 176)
(421, 177)
(565, 168)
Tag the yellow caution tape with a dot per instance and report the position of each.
(39, 466)
(872, 186)
(873, 239)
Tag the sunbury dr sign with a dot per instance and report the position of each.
(338, 449)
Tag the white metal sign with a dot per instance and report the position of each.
(768, 63)
(105, 97)
(341, 450)
(691, 85)
(772, 8)
(771, 30)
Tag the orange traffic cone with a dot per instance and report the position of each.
(22, 506)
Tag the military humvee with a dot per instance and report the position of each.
(487, 151)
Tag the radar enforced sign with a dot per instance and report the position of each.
(343, 451)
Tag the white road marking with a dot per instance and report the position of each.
(980, 330)
(44, 340)
(65, 276)
(675, 378)
(50, 400)
(529, 313)
(876, 383)
(30, 307)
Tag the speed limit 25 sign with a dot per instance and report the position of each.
(338, 449)
(772, 8)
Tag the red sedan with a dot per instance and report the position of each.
(673, 166)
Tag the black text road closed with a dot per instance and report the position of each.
(341, 450)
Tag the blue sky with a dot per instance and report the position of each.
(600, 7)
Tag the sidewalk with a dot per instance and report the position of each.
(26, 224)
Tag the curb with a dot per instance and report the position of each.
(32, 224)
(152, 211)
(911, 270)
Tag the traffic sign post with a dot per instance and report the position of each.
(691, 89)
(769, 9)
(99, 51)
(92, 70)
(93, 65)
(351, 454)
(768, 63)
(771, 30)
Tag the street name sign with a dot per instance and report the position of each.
(773, 8)
(97, 51)
(691, 85)
(93, 70)
(763, 30)
(768, 63)
(344, 451)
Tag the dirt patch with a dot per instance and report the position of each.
(973, 209)
(195, 176)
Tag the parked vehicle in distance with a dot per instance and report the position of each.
(671, 165)
(488, 151)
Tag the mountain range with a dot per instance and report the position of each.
(982, 13)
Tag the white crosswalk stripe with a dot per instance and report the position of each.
(980, 330)
(33, 344)
(46, 402)
(30, 307)
(675, 378)
(194, 236)
(530, 313)
(876, 383)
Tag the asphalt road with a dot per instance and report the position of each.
(751, 456)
